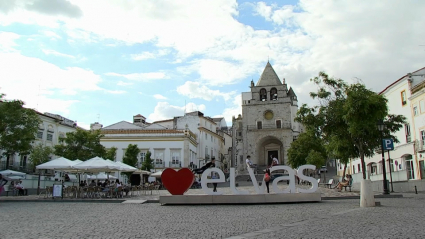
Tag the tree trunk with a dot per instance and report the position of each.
(345, 169)
(363, 164)
(7, 161)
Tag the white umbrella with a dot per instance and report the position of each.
(9, 173)
(13, 178)
(139, 171)
(156, 174)
(125, 167)
(60, 164)
(97, 164)
(102, 176)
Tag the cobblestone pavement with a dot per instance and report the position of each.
(396, 218)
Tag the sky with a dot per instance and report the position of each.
(107, 60)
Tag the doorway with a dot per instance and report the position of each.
(270, 155)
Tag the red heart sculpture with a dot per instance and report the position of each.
(177, 182)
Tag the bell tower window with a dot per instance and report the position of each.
(263, 95)
(273, 94)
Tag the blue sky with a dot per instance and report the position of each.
(109, 60)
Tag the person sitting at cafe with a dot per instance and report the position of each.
(22, 191)
(92, 184)
(67, 179)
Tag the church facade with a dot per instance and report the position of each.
(266, 127)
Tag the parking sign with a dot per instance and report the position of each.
(388, 144)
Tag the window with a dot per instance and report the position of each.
(358, 168)
(40, 135)
(278, 124)
(49, 137)
(403, 98)
(206, 136)
(423, 135)
(422, 106)
(142, 157)
(263, 95)
(175, 157)
(211, 138)
(273, 94)
(259, 125)
(407, 132)
(294, 138)
(409, 167)
(415, 110)
(206, 151)
(159, 157)
(354, 169)
(240, 133)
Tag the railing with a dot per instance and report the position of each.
(159, 165)
(175, 165)
(269, 126)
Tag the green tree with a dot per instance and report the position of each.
(18, 127)
(148, 163)
(130, 157)
(81, 144)
(39, 154)
(346, 118)
(111, 154)
(301, 148)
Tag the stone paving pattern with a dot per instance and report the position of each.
(396, 218)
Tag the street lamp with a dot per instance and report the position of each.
(381, 127)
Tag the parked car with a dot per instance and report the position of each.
(323, 169)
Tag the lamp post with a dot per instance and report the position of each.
(381, 126)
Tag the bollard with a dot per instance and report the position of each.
(416, 190)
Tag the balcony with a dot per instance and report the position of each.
(270, 126)
(420, 145)
(160, 164)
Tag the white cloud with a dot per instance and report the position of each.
(159, 97)
(52, 35)
(141, 76)
(264, 10)
(42, 84)
(56, 53)
(7, 41)
(122, 83)
(196, 90)
(116, 92)
(163, 110)
(234, 110)
(149, 55)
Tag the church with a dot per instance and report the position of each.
(266, 127)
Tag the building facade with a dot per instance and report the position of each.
(184, 141)
(406, 97)
(266, 127)
(51, 129)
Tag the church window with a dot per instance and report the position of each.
(263, 95)
(278, 124)
(259, 125)
(273, 94)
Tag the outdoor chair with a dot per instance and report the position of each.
(330, 183)
(156, 188)
(91, 192)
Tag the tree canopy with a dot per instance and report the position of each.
(39, 154)
(81, 144)
(306, 144)
(111, 154)
(346, 118)
(148, 163)
(18, 127)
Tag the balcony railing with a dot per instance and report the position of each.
(159, 165)
(269, 126)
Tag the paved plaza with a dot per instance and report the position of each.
(396, 218)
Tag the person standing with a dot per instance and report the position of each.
(214, 176)
(3, 182)
(267, 176)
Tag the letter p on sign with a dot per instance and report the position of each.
(388, 144)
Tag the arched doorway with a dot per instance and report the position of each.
(266, 148)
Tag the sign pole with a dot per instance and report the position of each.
(391, 176)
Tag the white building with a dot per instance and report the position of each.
(406, 96)
(185, 141)
(51, 128)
